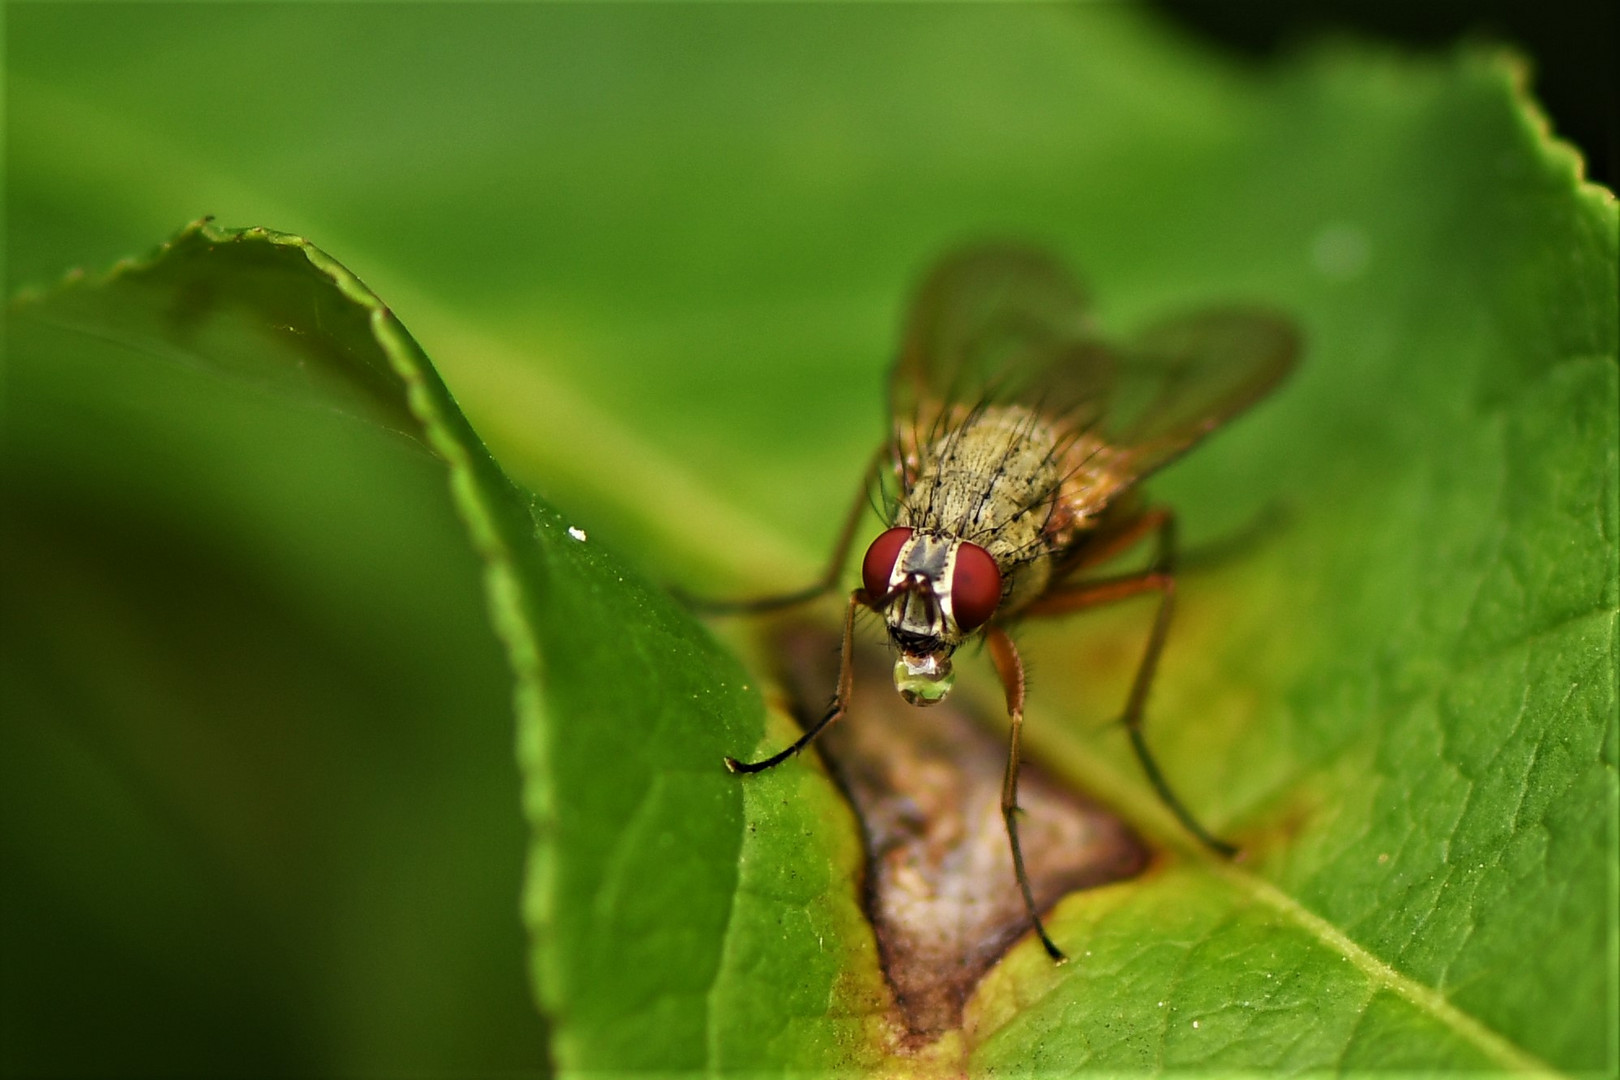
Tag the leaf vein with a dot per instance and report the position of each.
(1425, 999)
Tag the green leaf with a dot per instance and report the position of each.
(659, 256)
(249, 343)
(257, 750)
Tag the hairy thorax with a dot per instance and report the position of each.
(994, 477)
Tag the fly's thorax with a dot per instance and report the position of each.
(990, 476)
(992, 479)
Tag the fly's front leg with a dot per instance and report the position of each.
(1160, 578)
(1011, 670)
(840, 702)
(829, 577)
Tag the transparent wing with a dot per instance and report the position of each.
(990, 324)
(1187, 376)
(1007, 324)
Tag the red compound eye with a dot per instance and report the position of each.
(975, 587)
(878, 566)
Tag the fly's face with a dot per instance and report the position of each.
(932, 590)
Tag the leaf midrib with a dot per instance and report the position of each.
(1425, 999)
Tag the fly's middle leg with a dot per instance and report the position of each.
(1159, 578)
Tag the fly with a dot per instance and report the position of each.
(1018, 440)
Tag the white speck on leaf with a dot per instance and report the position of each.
(577, 533)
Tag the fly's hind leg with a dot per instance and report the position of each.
(824, 585)
(1160, 578)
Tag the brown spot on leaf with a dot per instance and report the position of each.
(926, 785)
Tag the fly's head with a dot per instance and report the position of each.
(932, 591)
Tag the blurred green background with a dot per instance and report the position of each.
(260, 802)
